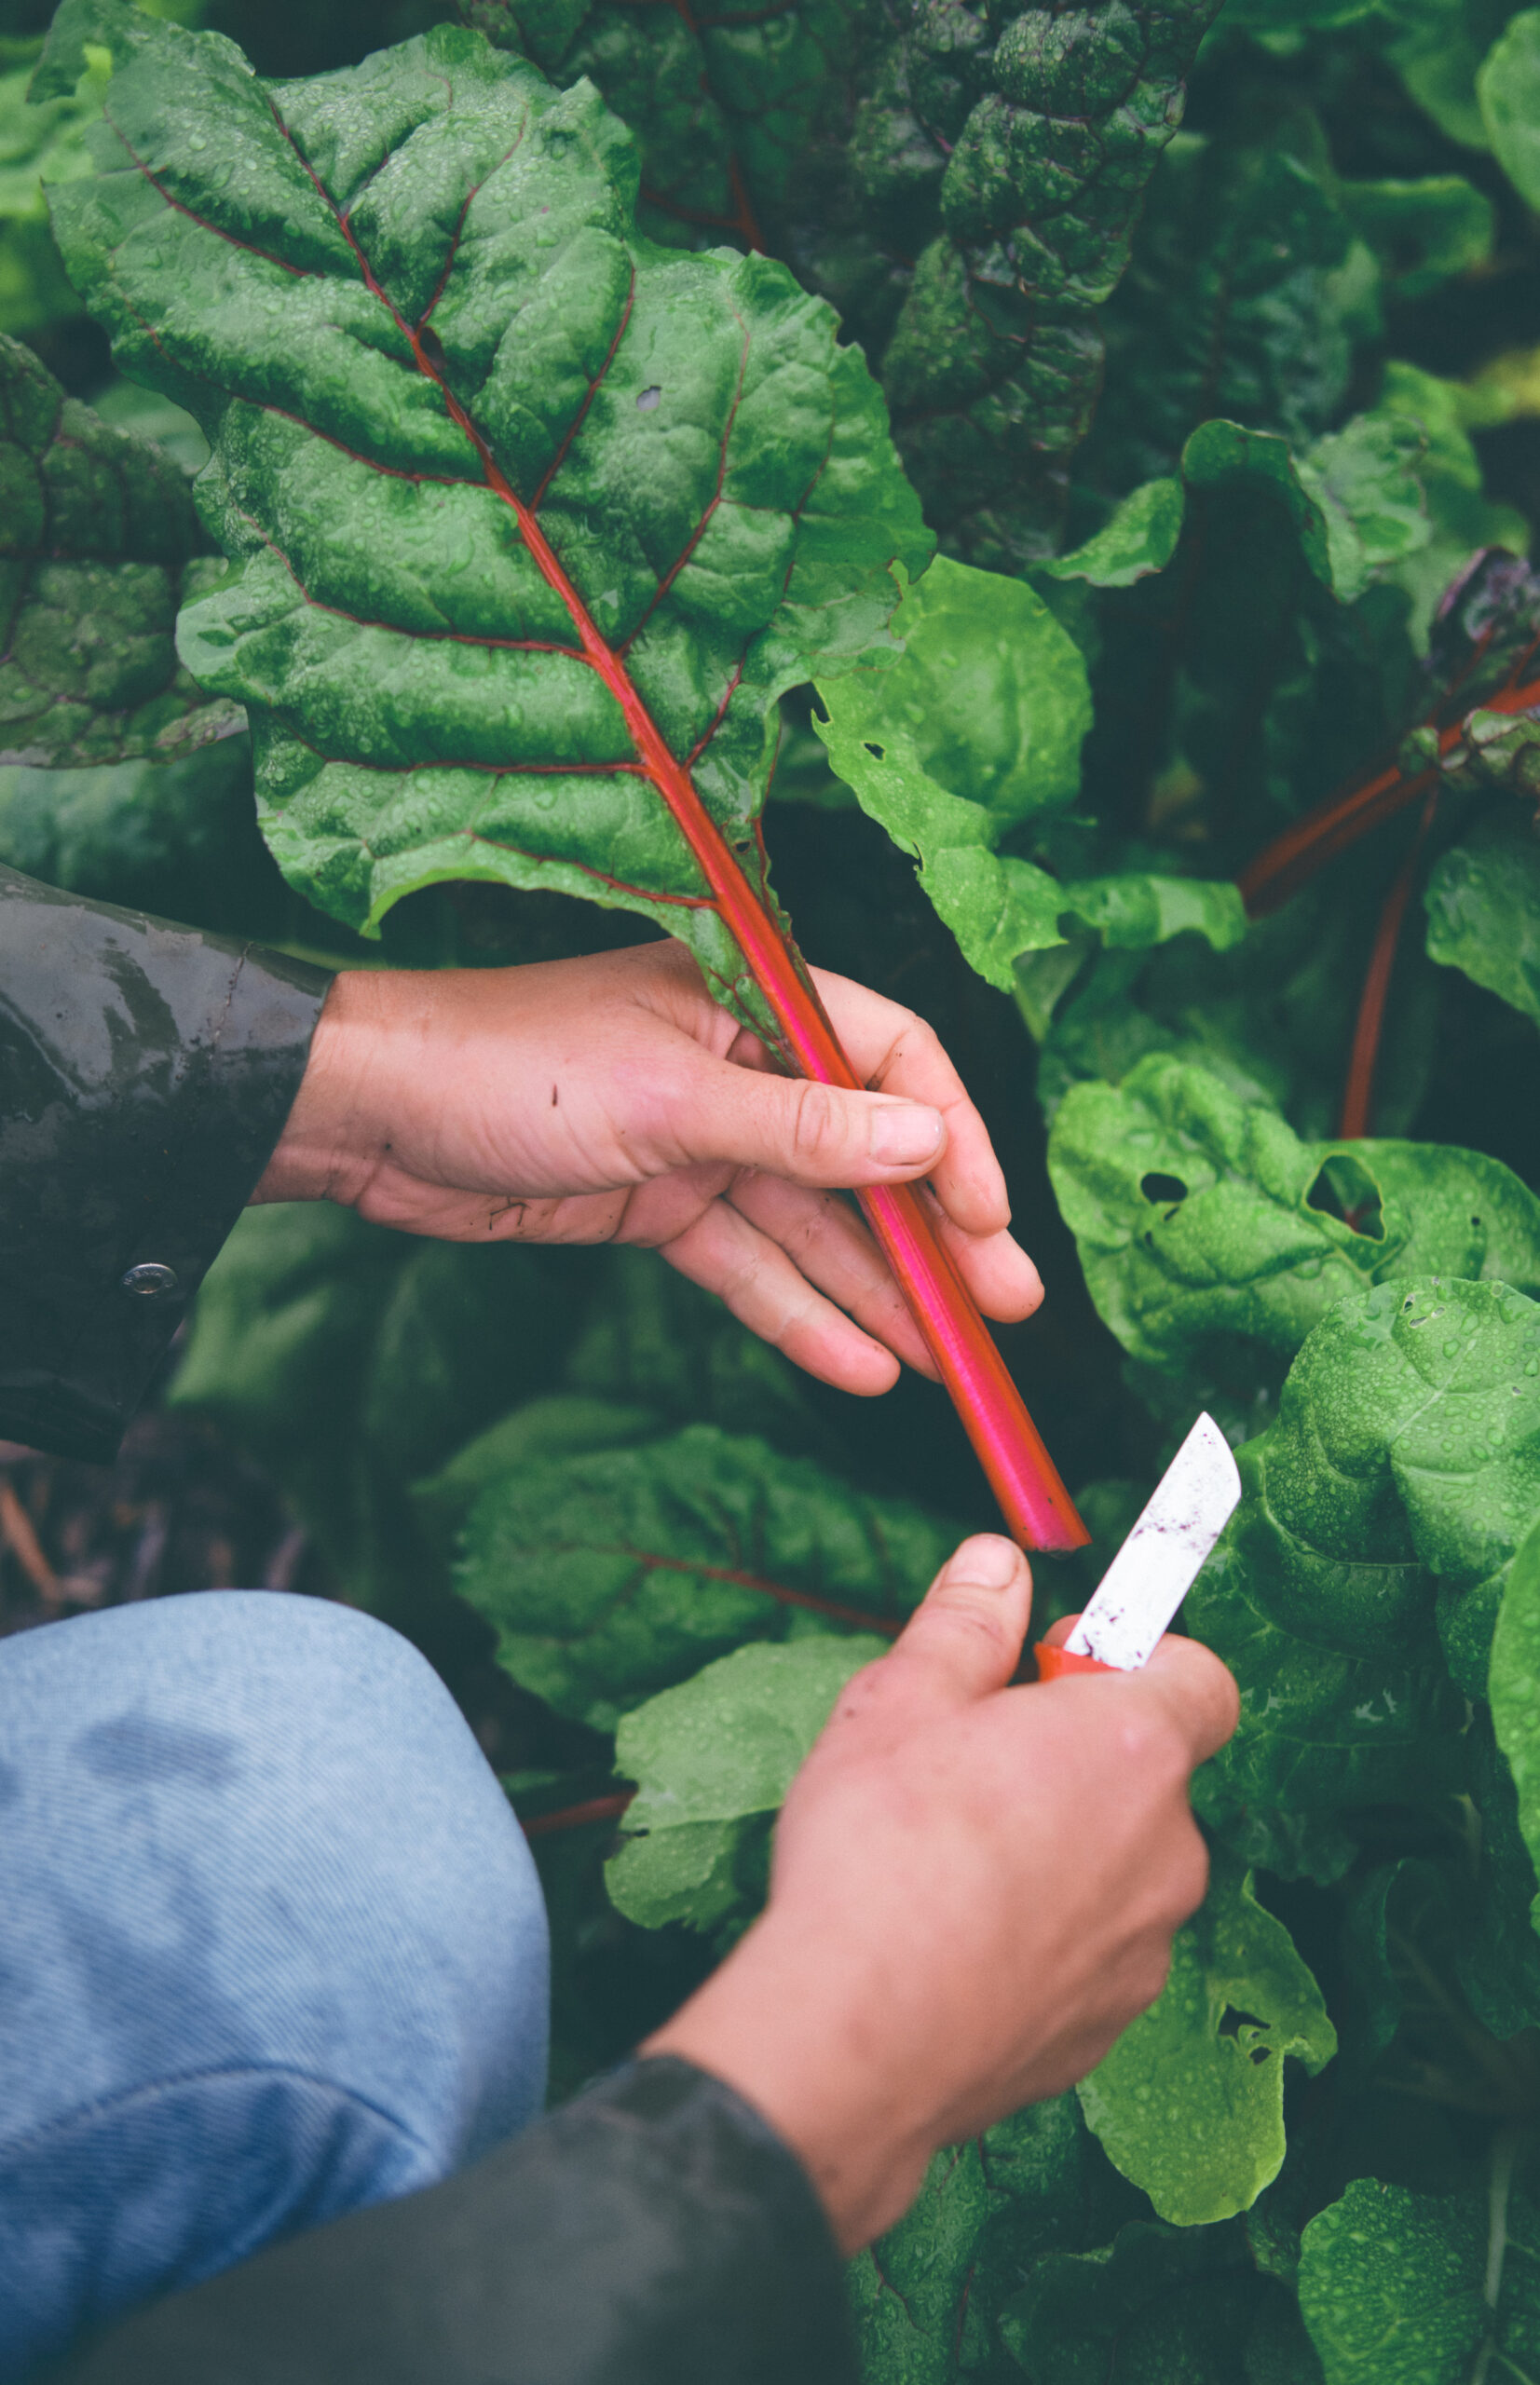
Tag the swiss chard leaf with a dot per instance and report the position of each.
(1213, 1239)
(712, 1760)
(1170, 2306)
(1382, 1514)
(611, 1576)
(97, 534)
(723, 105)
(1406, 2289)
(927, 2296)
(1515, 1689)
(530, 517)
(1188, 2103)
(1041, 148)
(1483, 909)
(974, 735)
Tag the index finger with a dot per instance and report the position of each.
(894, 1050)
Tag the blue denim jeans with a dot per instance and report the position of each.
(272, 1945)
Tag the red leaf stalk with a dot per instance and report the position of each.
(1293, 859)
(592, 1809)
(1037, 1508)
(1358, 1092)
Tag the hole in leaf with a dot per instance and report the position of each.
(1345, 1190)
(1259, 2054)
(432, 345)
(1233, 2021)
(878, 753)
(648, 399)
(1159, 1187)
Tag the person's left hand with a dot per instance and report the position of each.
(612, 1100)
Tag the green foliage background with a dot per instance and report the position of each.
(1210, 341)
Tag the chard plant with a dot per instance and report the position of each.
(1084, 544)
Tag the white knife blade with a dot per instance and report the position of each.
(1163, 1555)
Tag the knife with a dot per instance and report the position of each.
(1157, 1564)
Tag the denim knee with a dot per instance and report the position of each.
(274, 1945)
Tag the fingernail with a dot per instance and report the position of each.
(904, 1133)
(986, 1561)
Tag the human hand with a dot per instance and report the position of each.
(974, 1891)
(612, 1100)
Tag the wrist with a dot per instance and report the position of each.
(806, 2048)
(314, 1158)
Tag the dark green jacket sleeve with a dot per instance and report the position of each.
(145, 1075)
(653, 2232)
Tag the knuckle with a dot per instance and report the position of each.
(815, 1125)
(1151, 1750)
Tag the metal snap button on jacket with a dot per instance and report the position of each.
(150, 1279)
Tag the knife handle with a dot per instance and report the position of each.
(1054, 1663)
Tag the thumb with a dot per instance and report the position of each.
(811, 1134)
(965, 1639)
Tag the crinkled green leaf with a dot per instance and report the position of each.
(1483, 910)
(1399, 2288)
(711, 474)
(1515, 1691)
(926, 2297)
(1497, 1952)
(1188, 2103)
(1166, 2306)
(1239, 303)
(97, 533)
(1141, 537)
(1508, 86)
(711, 1758)
(975, 732)
(1380, 1516)
(653, 1339)
(609, 1577)
(723, 102)
(1041, 146)
(1354, 496)
(1205, 1224)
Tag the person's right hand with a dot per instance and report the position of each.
(973, 1892)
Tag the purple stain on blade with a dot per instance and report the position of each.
(1163, 1555)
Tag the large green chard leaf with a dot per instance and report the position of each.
(1483, 909)
(1040, 147)
(609, 1577)
(723, 102)
(712, 1761)
(1236, 303)
(1213, 1239)
(1163, 2305)
(97, 533)
(1406, 2289)
(1515, 1691)
(1189, 2103)
(927, 2296)
(529, 516)
(1382, 1514)
(975, 734)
